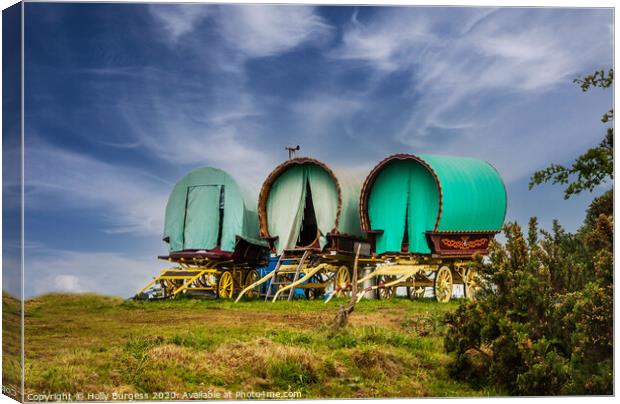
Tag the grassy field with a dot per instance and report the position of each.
(11, 345)
(94, 344)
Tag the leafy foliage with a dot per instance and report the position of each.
(543, 322)
(600, 78)
(595, 166)
(603, 204)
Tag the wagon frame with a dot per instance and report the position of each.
(224, 278)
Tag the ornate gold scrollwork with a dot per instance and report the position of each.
(464, 243)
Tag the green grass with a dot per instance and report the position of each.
(90, 343)
(11, 345)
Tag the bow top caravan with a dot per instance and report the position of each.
(309, 215)
(425, 217)
(304, 204)
(212, 234)
(207, 212)
(423, 204)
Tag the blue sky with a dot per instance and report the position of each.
(122, 100)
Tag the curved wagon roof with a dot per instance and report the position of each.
(472, 195)
(345, 214)
(207, 210)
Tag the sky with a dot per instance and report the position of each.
(122, 100)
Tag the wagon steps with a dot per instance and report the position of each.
(290, 271)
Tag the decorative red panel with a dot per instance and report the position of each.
(461, 244)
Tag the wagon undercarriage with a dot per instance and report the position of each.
(204, 277)
(416, 277)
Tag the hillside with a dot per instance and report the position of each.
(95, 344)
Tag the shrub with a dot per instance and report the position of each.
(543, 323)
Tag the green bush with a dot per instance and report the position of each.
(543, 322)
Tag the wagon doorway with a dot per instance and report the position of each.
(403, 205)
(301, 207)
(309, 231)
(204, 217)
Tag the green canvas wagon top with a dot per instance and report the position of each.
(305, 203)
(419, 203)
(208, 211)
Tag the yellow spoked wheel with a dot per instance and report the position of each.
(472, 284)
(414, 292)
(385, 293)
(443, 285)
(252, 277)
(342, 281)
(225, 286)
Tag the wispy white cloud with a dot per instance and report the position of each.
(226, 135)
(266, 30)
(179, 19)
(389, 43)
(88, 271)
(131, 201)
(250, 31)
(224, 125)
(319, 112)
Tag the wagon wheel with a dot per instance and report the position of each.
(414, 292)
(443, 285)
(385, 293)
(169, 286)
(250, 278)
(342, 281)
(225, 286)
(471, 284)
(315, 293)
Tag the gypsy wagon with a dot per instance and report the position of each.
(308, 213)
(425, 217)
(211, 228)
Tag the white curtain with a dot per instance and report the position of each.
(285, 207)
(324, 199)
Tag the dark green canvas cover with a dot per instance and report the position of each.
(207, 205)
(335, 199)
(430, 193)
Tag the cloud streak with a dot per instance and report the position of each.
(81, 271)
(179, 19)
(251, 31)
(180, 130)
(261, 31)
(130, 201)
